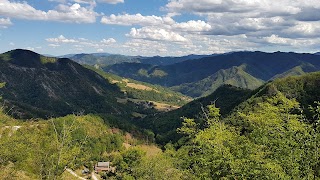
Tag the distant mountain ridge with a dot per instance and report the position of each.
(39, 86)
(202, 76)
(105, 59)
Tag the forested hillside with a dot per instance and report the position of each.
(144, 91)
(271, 132)
(39, 86)
(243, 69)
(164, 125)
(274, 134)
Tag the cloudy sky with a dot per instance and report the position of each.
(159, 27)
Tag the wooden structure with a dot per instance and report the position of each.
(102, 167)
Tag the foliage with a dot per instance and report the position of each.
(279, 146)
(164, 125)
(42, 149)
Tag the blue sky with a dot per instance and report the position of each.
(159, 27)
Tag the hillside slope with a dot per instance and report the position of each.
(38, 86)
(164, 125)
(259, 65)
(235, 76)
(232, 100)
(144, 91)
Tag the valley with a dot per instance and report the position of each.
(235, 115)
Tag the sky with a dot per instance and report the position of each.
(159, 27)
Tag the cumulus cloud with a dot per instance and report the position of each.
(156, 34)
(144, 47)
(192, 26)
(231, 17)
(281, 7)
(74, 13)
(136, 19)
(304, 29)
(111, 1)
(5, 22)
(61, 39)
(295, 43)
(54, 45)
(80, 43)
(108, 41)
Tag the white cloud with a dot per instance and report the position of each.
(61, 39)
(59, 1)
(281, 7)
(5, 22)
(156, 34)
(295, 43)
(136, 19)
(304, 29)
(100, 50)
(108, 41)
(252, 17)
(193, 26)
(111, 1)
(144, 47)
(54, 45)
(80, 43)
(275, 39)
(63, 13)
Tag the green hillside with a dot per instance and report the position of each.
(164, 125)
(298, 70)
(37, 86)
(253, 68)
(235, 76)
(48, 149)
(144, 91)
(272, 132)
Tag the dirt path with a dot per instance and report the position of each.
(93, 176)
(74, 174)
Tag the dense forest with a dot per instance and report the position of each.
(271, 132)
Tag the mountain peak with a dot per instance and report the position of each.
(26, 58)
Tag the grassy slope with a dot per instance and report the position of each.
(144, 91)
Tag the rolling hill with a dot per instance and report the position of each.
(105, 59)
(243, 69)
(39, 86)
(141, 91)
(235, 76)
(164, 125)
(232, 100)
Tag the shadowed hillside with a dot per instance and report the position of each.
(46, 86)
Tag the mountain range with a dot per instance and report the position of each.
(270, 132)
(34, 85)
(200, 77)
(105, 59)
